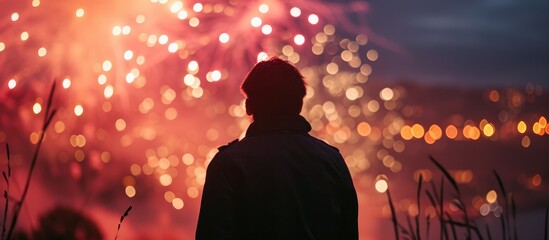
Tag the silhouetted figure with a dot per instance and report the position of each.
(278, 182)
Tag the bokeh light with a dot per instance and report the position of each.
(150, 89)
(381, 185)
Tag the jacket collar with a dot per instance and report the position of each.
(295, 123)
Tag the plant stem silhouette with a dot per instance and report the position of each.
(47, 120)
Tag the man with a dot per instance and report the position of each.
(278, 182)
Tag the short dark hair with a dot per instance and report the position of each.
(274, 87)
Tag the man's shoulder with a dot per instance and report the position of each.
(231, 143)
(223, 156)
(324, 143)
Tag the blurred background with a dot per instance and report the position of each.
(147, 90)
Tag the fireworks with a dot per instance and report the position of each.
(150, 89)
(141, 79)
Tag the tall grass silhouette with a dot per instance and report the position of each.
(48, 116)
(122, 220)
(8, 229)
(450, 227)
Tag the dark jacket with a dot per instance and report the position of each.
(278, 183)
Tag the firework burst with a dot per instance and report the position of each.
(139, 78)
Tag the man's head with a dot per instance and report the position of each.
(273, 88)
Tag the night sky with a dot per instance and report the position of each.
(148, 90)
(466, 43)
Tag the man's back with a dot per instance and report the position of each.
(278, 183)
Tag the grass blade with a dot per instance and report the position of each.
(122, 220)
(500, 183)
(18, 205)
(461, 206)
(393, 215)
(418, 234)
(441, 203)
(49, 103)
(8, 155)
(468, 226)
(410, 227)
(6, 192)
(453, 227)
(502, 221)
(436, 201)
(454, 184)
(432, 200)
(445, 172)
(505, 221)
(428, 222)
